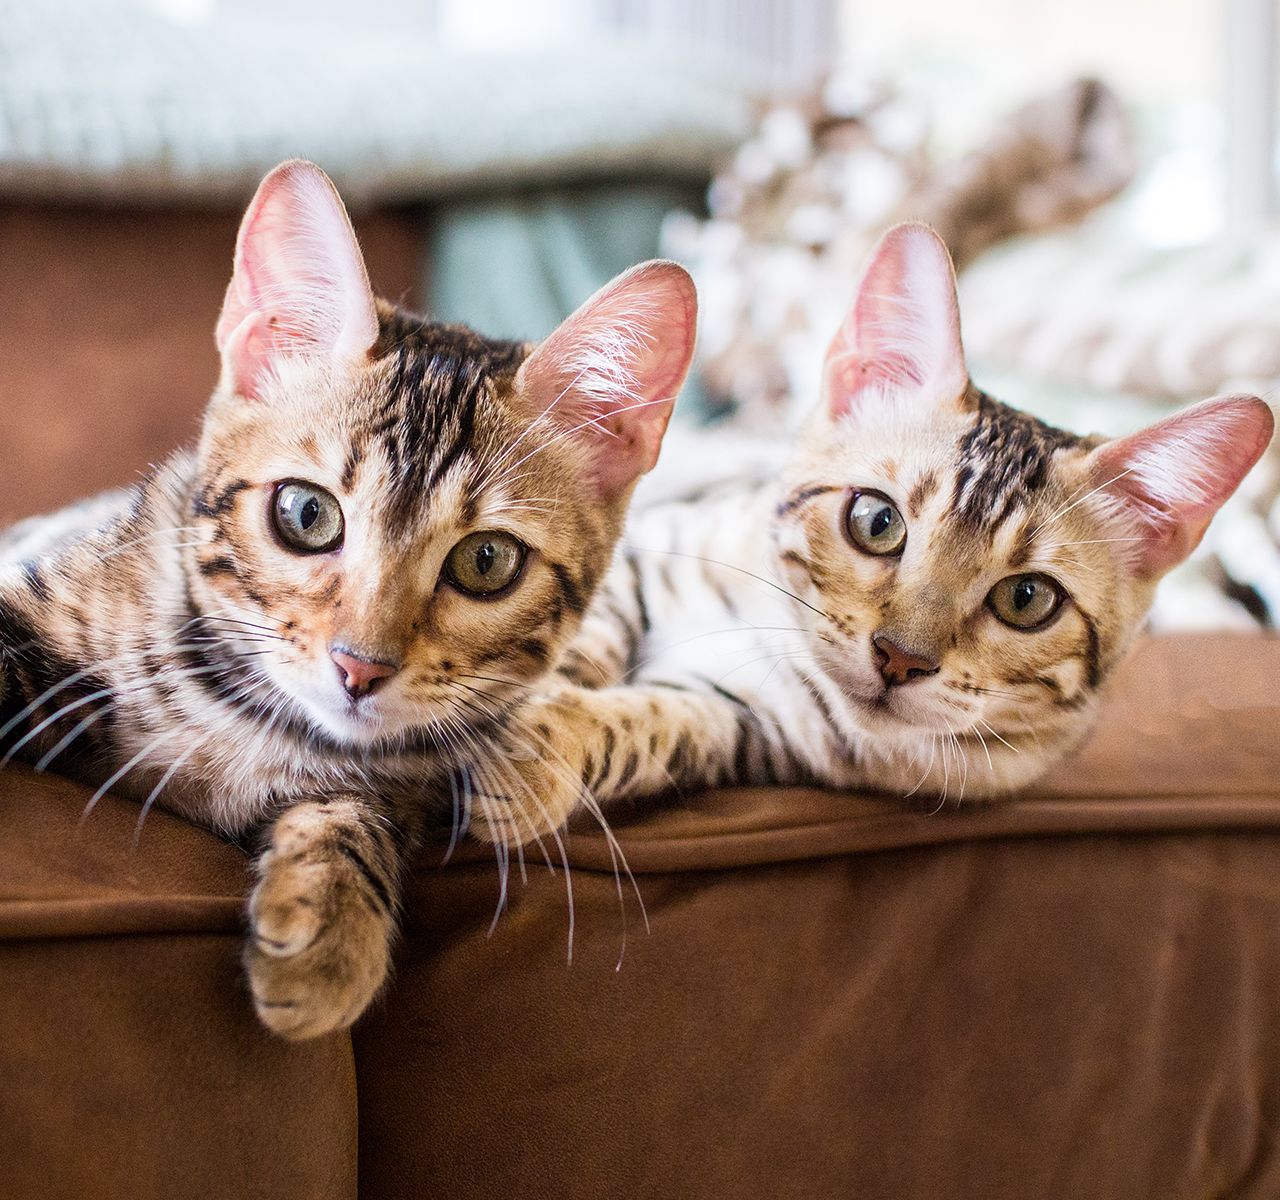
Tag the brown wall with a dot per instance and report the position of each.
(106, 337)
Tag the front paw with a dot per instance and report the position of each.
(319, 945)
(533, 801)
(534, 782)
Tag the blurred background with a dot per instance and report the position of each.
(1104, 172)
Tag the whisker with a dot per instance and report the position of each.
(457, 811)
(499, 847)
(1092, 542)
(668, 647)
(494, 679)
(995, 735)
(1061, 512)
(173, 769)
(593, 807)
(118, 775)
(163, 531)
(946, 774)
(75, 705)
(92, 718)
(741, 570)
(933, 753)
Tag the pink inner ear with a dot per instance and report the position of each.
(1173, 476)
(902, 333)
(299, 285)
(611, 372)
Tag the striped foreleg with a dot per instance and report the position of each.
(578, 746)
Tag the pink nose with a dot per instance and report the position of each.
(898, 665)
(360, 675)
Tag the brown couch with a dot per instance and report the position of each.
(1067, 996)
(1070, 995)
(106, 336)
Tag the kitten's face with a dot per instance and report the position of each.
(976, 572)
(404, 538)
(356, 528)
(1002, 605)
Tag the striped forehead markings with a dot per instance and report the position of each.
(921, 491)
(427, 419)
(1004, 457)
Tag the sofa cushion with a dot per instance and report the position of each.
(1072, 993)
(131, 1060)
(996, 1018)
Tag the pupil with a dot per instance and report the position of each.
(1023, 594)
(485, 557)
(881, 521)
(310, 511)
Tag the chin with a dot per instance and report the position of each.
(361, 724)
(885, 714)
(341, 722)
(902, 719)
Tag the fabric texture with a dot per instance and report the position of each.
(145, 106)
(132, 1063)
(1069, 994)
(1167, 323)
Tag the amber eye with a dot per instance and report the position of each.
(1025, 601)
(307, 518)
(482, 564)
(875, 524)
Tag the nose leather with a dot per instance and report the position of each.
(898, 665)
(360, 676)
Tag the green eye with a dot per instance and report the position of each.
(307, 518)
(1025, 601)
(482, 564)
(875, 524)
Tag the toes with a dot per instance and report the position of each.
(318, 952)
(284, 917)
(322, 989)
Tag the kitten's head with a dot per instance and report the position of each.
(979, 572)
(418, 513)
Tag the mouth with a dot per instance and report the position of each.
(883, 706)
(362, 709)
(888, 710)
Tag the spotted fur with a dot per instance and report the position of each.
(165, 643)
(733, 639)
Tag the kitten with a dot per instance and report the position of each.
(388, 530)
(931, 595)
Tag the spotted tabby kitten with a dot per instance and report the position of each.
(388, 530)
(929, 597)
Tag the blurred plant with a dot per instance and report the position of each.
(795, 212)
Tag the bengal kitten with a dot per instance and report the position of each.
(388, 530)
(930, 596)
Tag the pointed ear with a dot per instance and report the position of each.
(902, 333)
(610, 374)
(1170, 478)
(299, 286)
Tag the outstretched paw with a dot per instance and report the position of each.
(538, 780)
(535, 802)
(320, 934)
